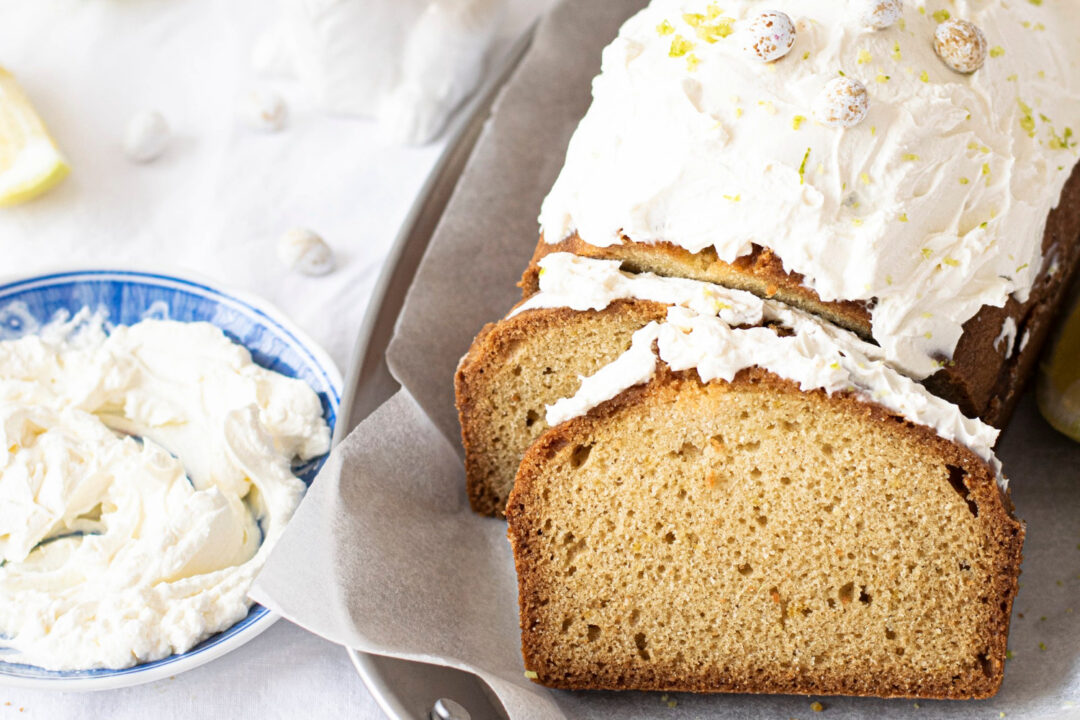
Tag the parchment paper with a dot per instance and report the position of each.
(385, 556)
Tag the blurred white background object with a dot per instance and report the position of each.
(409, 63)
(215, 203)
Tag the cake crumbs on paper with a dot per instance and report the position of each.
(817, 706)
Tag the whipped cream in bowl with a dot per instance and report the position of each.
(159, 433)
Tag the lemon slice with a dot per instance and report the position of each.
(30, 162)
(1059, 382)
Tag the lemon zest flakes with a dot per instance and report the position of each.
(882, 78)
(964, 181)
(680, 46)
(910, 157)
(1027, 121)
(927, 252)
(664, 28)
(941, 15)
(768, 106)
(951, 262)
(864, 57)
(797, 121)
(802, 167)
(896, 55)
(711, 27)
(903, 218)
(865, 178)
(806, 55)
(997, 51)
(1062, 142)
(924, 76)
(692, 62)
(710, 33)
(733, 198)
(531, 674)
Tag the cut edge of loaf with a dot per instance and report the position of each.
(975, 491)
(501, 387)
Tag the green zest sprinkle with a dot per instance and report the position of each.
(806, 55)
(680, 46)
(964, 181)
(1063, 142)
(896, 53)
(941, 15)
(802, 167)
(1009, 655)
(1027, 121)
(1042, 646)
(882, 78)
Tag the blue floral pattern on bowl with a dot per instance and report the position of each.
(125, 298)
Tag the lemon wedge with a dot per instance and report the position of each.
(1059, 382)
(30, 162)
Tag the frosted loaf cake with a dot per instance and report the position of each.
(943, 225)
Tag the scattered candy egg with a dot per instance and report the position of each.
(302, 250)
(146, 137)
(961, 45)
(769, 36)
(263, 110)
(843, 102)
(879, 14)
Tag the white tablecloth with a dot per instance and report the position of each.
(214, 205)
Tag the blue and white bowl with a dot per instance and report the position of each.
(126, 297)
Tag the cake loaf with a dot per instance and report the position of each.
(940, 220)
(750, 499)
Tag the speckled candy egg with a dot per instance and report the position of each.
(769, 36)
(304, 251)
(961, 45)
(879, 14)
(843, 102)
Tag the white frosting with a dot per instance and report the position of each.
(933, 206)
(118, 551)
(1006, 339)
(694, 336)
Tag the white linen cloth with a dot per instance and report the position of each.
(213, 205)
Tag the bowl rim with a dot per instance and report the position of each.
(158, 670)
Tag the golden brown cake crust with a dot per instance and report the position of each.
(488, 393)
(979, 379)
(992, 508)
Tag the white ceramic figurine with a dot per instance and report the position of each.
(409, 63)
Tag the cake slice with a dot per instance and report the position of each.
(518, 366)
(752, 536)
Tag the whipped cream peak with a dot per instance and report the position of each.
(816, 355)
(931, 207)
